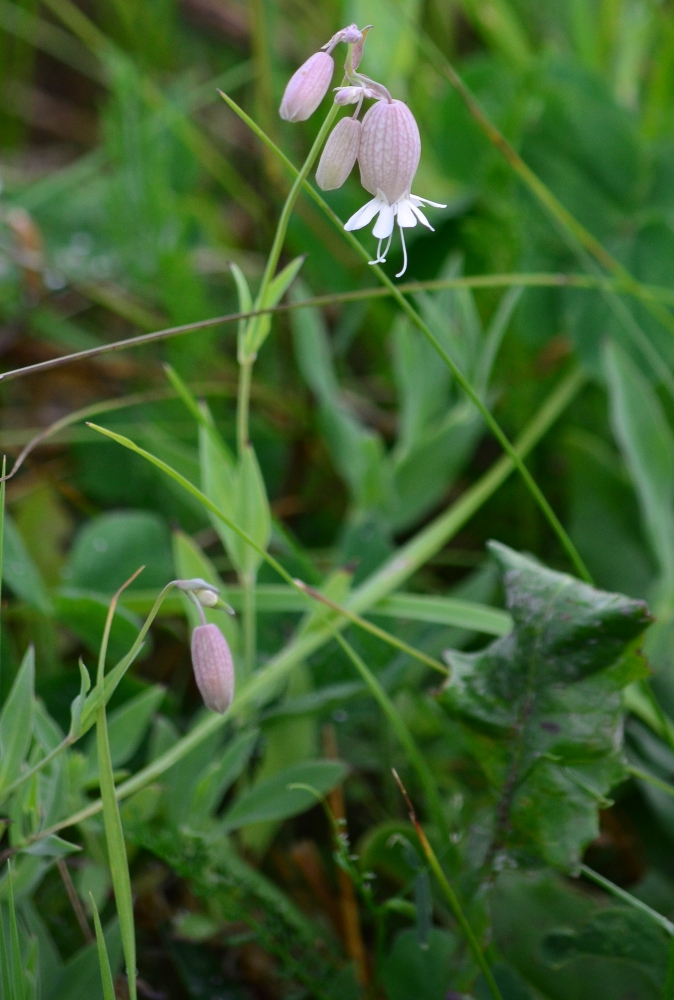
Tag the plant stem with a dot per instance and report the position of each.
(416, 758)
(249, 626)
(628, 898)
(451, 897)
(243, 404)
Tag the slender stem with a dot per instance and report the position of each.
(415, 756)
(643, 292)
(243, 404)
(460, 378)
(451, 897)
(9, 789)
(374, 629)
(293, 194)
(249, 626)
(664, 786)
(628, 898)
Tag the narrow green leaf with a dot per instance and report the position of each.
(258, 328)
(275, 799)
(114, 836)
(104, 961)
(647, 442)
(252, 513)
(18, 980)
(219, 776)
(77, 704)
(126, 728)
(16, 720)
(7, 991)
(19, 570)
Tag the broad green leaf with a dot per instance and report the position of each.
(111, 547)
(417, 969)
(617, 932)
(19, 570)
(275, 799)
(647, 443)
(544, 705)
(219, 776)
(127, 727)
(16, 721)
(84, 613)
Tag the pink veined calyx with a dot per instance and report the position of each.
(386, 144)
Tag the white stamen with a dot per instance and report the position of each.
(402, 239)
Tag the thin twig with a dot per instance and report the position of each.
(450, 895)
(75, 900)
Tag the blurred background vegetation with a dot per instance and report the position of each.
(127, 189)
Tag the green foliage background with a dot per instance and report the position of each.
(135, 200)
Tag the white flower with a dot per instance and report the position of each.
(389, 152)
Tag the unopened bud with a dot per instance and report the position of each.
(213, 667)
(307, 87)
(339, 154)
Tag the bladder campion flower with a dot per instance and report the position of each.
(339, 155)
(309, 84)
(213, 667)
(389, 152)
(307, 87)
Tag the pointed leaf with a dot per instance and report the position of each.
(275, 799)
(19, 570)
(544, 703)
(16, 720)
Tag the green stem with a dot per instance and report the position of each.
(452, 898)
(651, 779)
(415, 756)
(644, 292)
(243, 404)
(249, 626)
(628, 898)
(460, 378)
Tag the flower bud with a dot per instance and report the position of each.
(339, 154)
(213, 667)
(390, 148)
(307, 87)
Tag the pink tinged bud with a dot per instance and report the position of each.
(339, 154)
(213, 667)
(307, 88)
(390, 149)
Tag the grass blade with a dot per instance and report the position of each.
(103, 960)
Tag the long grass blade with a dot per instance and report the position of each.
(103, 960)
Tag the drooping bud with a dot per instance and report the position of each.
(307, 87)
(213, 667)
(390, 149)
(339, 155)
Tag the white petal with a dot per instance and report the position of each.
(406, 215)
(384, 224)
(416, 200)
(422, 218)
(364, 215)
